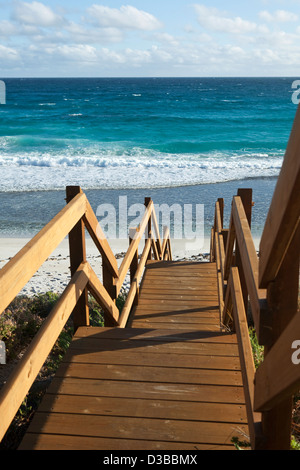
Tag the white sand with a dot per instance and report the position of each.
(54, 274)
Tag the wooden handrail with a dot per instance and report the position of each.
(98, 236)
(249, 260)
(158, 240)
(283, 215)
(19, 382)
(134, 285)
(133, 246)
(271, 288)
(19, 270)
(218, 253)
(98, 291)
(74, 217)
(245, 354)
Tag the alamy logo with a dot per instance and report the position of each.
(2, 92)
(296, 93)
(296, 354)
(185, 222)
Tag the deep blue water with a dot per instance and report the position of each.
(145, 133)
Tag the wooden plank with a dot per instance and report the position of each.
(172, 326)
(136, 358)
(148, 390)
(171, 347)
(179, 296)
(100, 334)
(162, 409)
(181, 267)
(189, 310)
(131, 428)
(24, 374)
(55, 442)
(179, 303)
(158, 286)
(181, 375)
(204, 312)
(177, 319)
(19, 270)
(284, 211)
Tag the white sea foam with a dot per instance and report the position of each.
(135, 168)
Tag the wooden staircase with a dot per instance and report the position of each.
(170, 380)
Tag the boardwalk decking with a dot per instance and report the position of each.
(170, 380)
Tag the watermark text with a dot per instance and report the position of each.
(2, 92)
(296, 93)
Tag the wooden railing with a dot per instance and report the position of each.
(264, 290)
(76, 216)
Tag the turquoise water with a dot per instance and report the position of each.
(146, 133)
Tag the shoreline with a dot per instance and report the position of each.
(54, 274)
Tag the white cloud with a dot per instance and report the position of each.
(166, 38)
(215, 20)
(80, 53)
(279, 16)
(82, 34)
(7, 28)
(35, 13)
(127, 17)
(7, 53)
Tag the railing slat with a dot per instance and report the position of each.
(99, 292)
(19, 270)
(229, 248)
(133, 246)
(156, 228)
(13, 392)
(245, 354)
(249, 260)
(165, 241)
(134, 285)
(98, 236)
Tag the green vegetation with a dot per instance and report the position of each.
(258, 357)
(257, 349)
(18, 325)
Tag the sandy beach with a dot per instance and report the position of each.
(54, 274)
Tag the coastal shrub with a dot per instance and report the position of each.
(19, 323)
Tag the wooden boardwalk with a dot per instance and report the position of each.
(170, 380)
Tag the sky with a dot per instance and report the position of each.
(154, 38)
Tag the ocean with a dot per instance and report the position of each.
(177, 140)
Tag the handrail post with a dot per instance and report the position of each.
(134, 265)
(149, 228)
(77, 249)
(282, 296)
(246, 196)
(109, 282)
